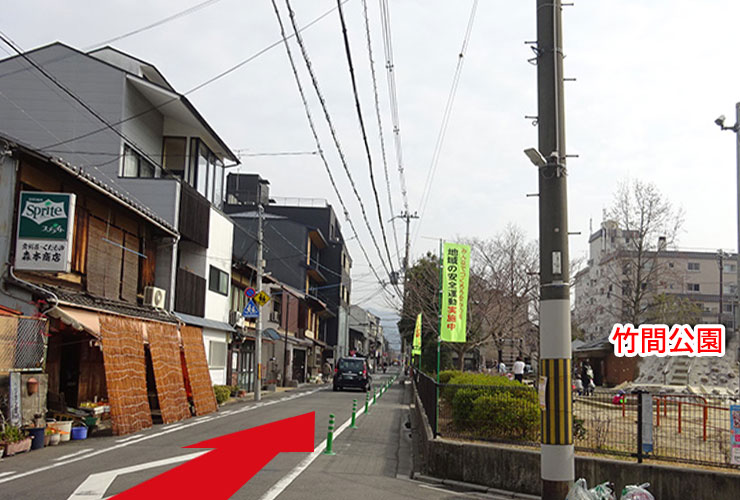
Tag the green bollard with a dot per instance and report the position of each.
(367, 399)
(374, 395)
(354, 411)
(330, 437)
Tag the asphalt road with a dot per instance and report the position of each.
(367, 464)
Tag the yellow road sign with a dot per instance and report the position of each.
(261, 298)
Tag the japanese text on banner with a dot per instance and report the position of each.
(417, 337)
(455, 274)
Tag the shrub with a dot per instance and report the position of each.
(476, 379)
(504, 415)
(462, 406)
(446, 375)
(222, 392)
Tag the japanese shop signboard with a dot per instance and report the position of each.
(417, 337)
(45, 230)
(455, 274)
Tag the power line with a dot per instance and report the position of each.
(167, 19)
(332, 130)
(393, 96)
(380, 122)
(358, 107)
(315, 135)
(446, 117)
(197, 87)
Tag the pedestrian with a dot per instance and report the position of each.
(519, 369)
(587, 378)
(501, 368)
(326, 371)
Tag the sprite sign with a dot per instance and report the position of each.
(45, 230)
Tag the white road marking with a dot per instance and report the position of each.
(95, 486)
(170, 426)
(286, 480)
(129, 438)
(65, 457)
(7, 473)
(145, 437)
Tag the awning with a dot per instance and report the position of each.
(204, 322)
(79, 319)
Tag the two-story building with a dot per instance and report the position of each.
(132, 130)
(84, 259)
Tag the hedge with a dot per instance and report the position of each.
(505, 416)
(475, 379)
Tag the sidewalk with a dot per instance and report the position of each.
(372, 462)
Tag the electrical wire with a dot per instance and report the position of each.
(332, 130)
(446, 118)
(380, 124)
(197, 87)
(393, 96)
(162, 21)
(358, 108)
(315, 135)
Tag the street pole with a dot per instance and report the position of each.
(557, 455)
(258, 341)
(737, 266)
(721, 256)
(439, 340)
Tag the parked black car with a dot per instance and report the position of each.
(352, 372)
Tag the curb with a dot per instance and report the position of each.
(472, 487)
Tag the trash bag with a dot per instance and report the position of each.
(633, 492)
(603, 491)
(579, 491)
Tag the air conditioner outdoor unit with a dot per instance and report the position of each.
(236, 319)
(155, 297)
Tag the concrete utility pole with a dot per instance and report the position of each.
(258, 341)
(406, 216)
(557, 455)
(736, 129)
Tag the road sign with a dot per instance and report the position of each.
(250, 292)
(251, 310)
(262, 298)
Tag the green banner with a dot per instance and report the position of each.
(455, 274)
(417, 337)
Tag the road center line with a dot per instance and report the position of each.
(139, 440)
(286, 480)
(65, 457)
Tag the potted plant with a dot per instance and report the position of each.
(14, 440)
(55, 437)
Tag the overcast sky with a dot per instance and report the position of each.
(652, 75)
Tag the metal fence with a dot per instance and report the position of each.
(692, 429)
(426, 388)
(22, 343)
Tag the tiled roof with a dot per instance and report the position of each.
(84, 299)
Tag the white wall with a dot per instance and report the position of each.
(217, 367)
(220, 242)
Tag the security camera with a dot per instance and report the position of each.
(720, 121)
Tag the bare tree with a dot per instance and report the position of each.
(649, 225)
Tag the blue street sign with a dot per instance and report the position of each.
(251, 310)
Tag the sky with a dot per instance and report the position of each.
(651, 77)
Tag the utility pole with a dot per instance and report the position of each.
(406, 216)
(736, 129)
(721, 255)
(557, 455)
(258, 342)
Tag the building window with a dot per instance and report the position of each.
(730, 268)
(727, 308)
(277, 309)
(729, 288)
(693, 266)
(216, 354)
(692, 287)
(670, 264)
(173, 155)
(207, 172)
(218, 281)
(134, 165)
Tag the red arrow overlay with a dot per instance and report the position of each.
(235, 459)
